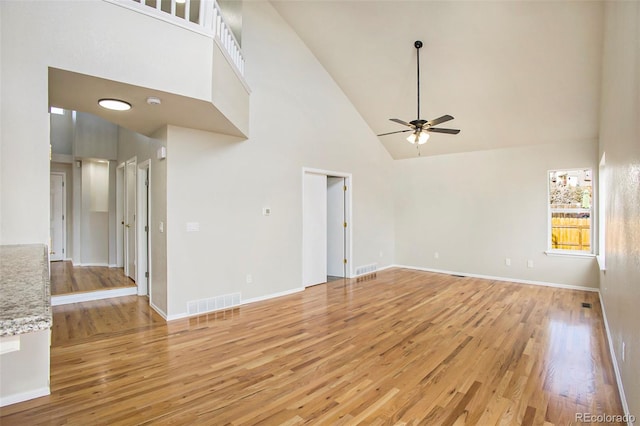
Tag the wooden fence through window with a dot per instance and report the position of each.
(569, 233)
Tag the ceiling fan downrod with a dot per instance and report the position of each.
(418, 45)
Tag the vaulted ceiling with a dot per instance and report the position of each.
(511, 72)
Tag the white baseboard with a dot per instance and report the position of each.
(106, 265)
(65, 299)
(24, 396)
(272, 296)
(505, 279)
(623, 397)
(377, 270)
(160, 312)
(242, 302)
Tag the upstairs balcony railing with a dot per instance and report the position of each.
(199, 15)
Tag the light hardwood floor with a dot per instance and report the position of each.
(66, 278)
(404, 347)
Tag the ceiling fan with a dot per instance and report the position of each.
(421, 128)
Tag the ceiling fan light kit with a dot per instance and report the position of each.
(420, 128)
(419, 137)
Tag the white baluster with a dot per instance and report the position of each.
(187, 10)
(173, 7)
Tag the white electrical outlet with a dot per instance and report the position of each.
(436, 255)
(249, 278)
(529, 263)
(507, 261)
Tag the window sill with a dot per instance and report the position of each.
(563, 253)
(601, 263)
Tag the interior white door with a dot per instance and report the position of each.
(130, 219)
(57, 216)
(335, 226)
(314, 229)
(143, 281)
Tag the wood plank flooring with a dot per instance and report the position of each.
(401, 348)
(66, 278)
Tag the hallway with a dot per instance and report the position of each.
(68, 279)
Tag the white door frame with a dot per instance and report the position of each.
(64, 214)
(143, 263)
(127, 255)
(120, 215)
(348, 206)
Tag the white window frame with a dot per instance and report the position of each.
(564, 252)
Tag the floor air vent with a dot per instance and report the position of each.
(218, 303)
(586, 305)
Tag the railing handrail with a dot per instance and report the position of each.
(209, 22)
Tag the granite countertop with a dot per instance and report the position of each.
(25, 295)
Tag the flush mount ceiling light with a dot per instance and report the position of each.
(114, 104)
(421, 128)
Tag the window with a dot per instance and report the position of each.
(570, 211)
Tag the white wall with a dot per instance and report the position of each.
(299, 118)
(131, 144)
(94, 137)
(24, 134)
(94, 218)
(62, 133)
(620, 140)
(476, 209)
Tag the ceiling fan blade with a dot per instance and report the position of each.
(397, 120)
(439, 120)
(439, 130)
(399, 131)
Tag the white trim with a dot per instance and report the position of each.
(163, 16)
(349, 201)
(271, 296)
(623, 398)
(505, 279)
(66, 299)
(113, 265)
(568, 253)
(105, 265)
(64, 213)
(242, 303)
(550, 210)
(120, 215)
(159, 311)
(378, 270)
(143, 283)
(24, 396)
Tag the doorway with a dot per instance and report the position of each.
(129, 222)
(326, 226)
(57, 217)
(142, 229)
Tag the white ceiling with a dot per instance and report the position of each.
(511, 72)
